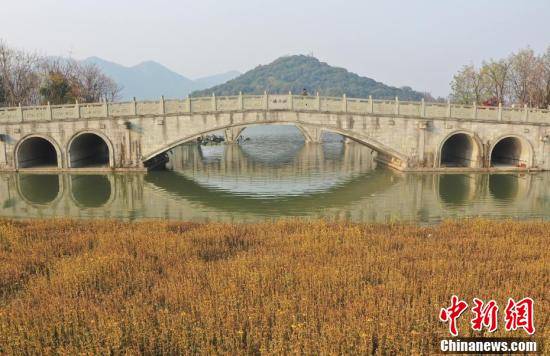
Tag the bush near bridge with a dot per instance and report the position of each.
(310, 287)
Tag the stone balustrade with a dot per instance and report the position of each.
(273, 102)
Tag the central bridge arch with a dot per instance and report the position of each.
(388, 155)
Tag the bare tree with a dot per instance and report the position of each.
(468, 86)
(495, 77)
(92, 85)
(20, 79)
(86, 82)
(2, 93)
(545, 76)
(56, 86)
(29, 79)
(524, 77)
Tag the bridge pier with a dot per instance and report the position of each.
(311, 134)
(232, 134)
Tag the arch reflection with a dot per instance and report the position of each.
(354, 190)
(241, 178)
(41, 189)
(375, 195)
(456, 189)
(90, 191)
(231, 168)
(504, 187)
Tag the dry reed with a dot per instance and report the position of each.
(314, 287)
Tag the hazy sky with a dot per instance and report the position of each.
(415, 43)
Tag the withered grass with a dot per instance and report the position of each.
(313, 287)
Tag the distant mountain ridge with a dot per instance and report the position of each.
(150, 80)
(298, 72)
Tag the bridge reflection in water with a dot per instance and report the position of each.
(246, 183)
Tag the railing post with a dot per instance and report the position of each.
(162, 108)
(290, 101)
(449, 111)
(344, 103)
(499, 111)
(396, 105)
(135, 105)
(266, 101)
(105, 107)
(214, 104)
(474, 110)
(188, 104)
(48, 111)
(77, 109)
(20, 112)
(422, 108)
(525, 113)
(371, 104)
(318, 102)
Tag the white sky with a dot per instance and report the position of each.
(416, 43)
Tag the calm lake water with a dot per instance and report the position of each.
(275, 174)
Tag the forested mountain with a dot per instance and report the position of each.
(298, 72)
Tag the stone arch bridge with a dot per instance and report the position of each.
(408, 136)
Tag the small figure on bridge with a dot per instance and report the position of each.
(304, 92)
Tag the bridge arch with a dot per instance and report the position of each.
(389, 155)
(33, 151)
(309, 134)
(460, 149)
(186, 139)
(511, 151)
(89, 148)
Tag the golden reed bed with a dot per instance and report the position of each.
(289, 286)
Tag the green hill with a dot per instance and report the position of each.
(294, 73)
